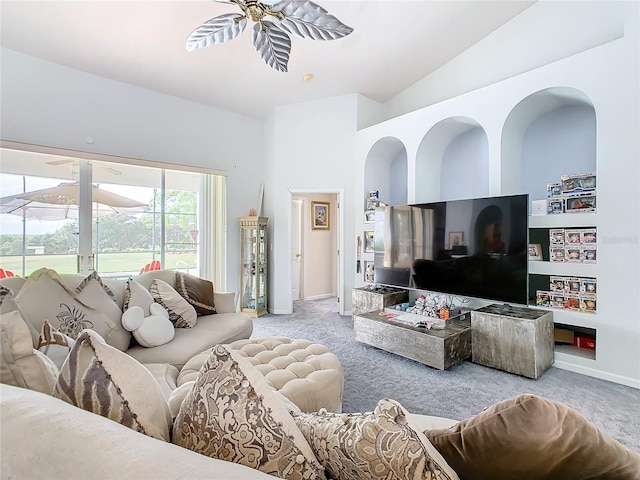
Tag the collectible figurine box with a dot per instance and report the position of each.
(572, 184)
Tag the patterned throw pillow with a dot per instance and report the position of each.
(90, 305)
(103, 380)
(197, 291)
(382, 444)
(54, 344)
(231, 414)
(20, 364)
(181, 313)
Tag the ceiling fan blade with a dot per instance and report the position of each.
(59, 162)
(111, 170)
(217, 30)
(309, 20)
(272, 44)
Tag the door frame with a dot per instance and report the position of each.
(299, 221)
(339, 223)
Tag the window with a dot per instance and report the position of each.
(136, 217)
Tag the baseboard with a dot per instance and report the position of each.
(592, 372)
(318, 297)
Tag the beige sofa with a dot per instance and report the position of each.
(91, 446)
(45, 436)
(223, 327)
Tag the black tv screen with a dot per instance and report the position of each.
(472, 248)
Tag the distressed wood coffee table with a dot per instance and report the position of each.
(436, 348)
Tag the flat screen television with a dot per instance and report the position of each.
(472, 248)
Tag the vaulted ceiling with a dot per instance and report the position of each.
(394, 44)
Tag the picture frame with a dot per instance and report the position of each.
(368, 241)
(535, 251)
(456, 239)
(369, 276)
(320, 216)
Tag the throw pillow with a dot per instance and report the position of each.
(138, 296)
(101, 379)
(151, 331)
(46, 295)
(4, 291)
(197, 291)
(382, 444)
(54, 344)
(8, 304)
(20, 364)
(181, 313)
(534, 438)
(177, 397)
(231, 414)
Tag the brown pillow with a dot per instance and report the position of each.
(197, 291)
(534, 438)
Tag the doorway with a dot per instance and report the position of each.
(316, 269)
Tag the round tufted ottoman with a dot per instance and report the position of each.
(306, 373)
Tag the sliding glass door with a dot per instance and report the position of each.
(116, 218)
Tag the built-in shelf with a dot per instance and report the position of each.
(563, 220)
(567, 352)
(566, 269)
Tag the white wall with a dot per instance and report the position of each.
(609, 76)
(313, 147)
(545, 32)
(48, 104)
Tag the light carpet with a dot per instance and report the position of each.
(459, 392)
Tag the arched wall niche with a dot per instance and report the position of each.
(452, 161)
(385, 170)
(548, 134)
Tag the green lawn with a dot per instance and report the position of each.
(107, 262)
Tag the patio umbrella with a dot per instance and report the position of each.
(61, 202)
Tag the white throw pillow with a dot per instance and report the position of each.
(150, 331)
(20, 364)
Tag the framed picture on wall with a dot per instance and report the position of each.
(535, 251)
(320, 216)
(368, 272)
(455, 239)
(368, 241)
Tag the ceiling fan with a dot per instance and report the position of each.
(74, 170)
(274, 20)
